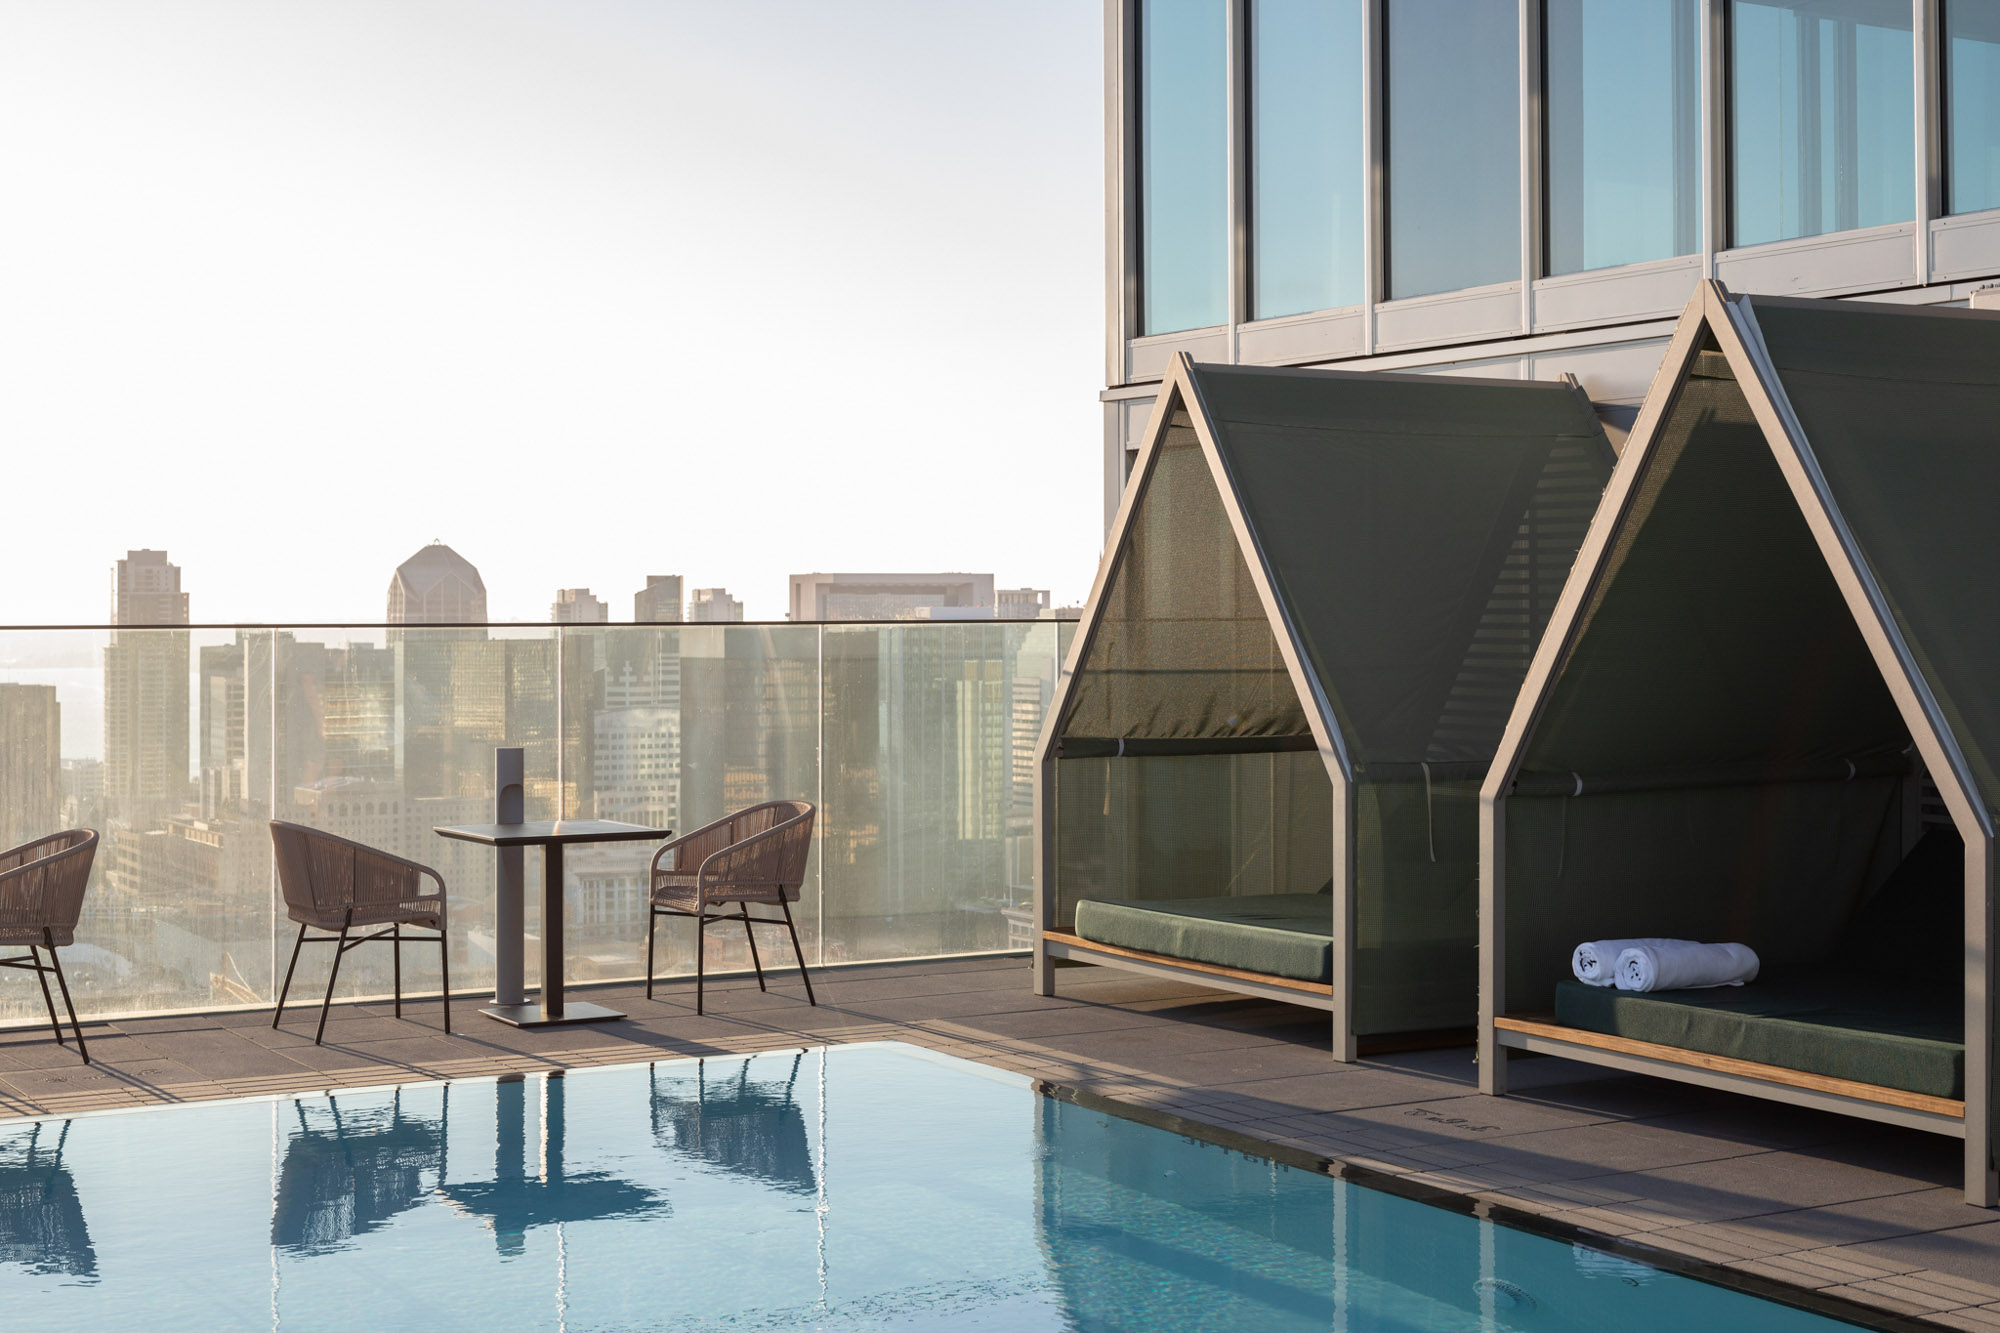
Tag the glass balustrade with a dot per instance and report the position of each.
(915, 740)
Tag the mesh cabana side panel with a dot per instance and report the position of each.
(1184, 661)
(1741, 761)
(1191, 826)
(1182, 650)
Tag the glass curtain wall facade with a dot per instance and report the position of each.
(1823, 123)
(1971, 51)
(1184, 163)
(915, 741)
(1308, 156)
(1454, 163)
(1623, 131)
(1381, 142)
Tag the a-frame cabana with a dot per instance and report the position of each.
(1768, 711)
(1318, 599)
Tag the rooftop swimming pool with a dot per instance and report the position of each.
(863, 1186)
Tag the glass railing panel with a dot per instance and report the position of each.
(676, 726)
(384, 735)
(929, 815)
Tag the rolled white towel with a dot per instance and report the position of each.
(1684, 965)
(1595, 962)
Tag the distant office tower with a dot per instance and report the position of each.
(1020, 603)
(30, 763)
(575, 606)
(437, 586)
(891, 596)
(636, 744)
(713, 605)
(146, 689)
(659, 602)
(146, 590)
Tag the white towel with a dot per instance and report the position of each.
(1684, 965)
(1596, 961)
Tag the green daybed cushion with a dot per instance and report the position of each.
(1278, 934)
(1879, 1030)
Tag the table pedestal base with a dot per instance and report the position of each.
(530, 1015)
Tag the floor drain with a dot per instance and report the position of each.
(1505, 1295)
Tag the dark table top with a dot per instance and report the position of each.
(542, 833)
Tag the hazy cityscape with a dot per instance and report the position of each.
(916, 739)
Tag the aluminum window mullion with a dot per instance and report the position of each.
(1528, 43)
(1715, 186)
(1374, 280)
(1236, 156)
(1928, 88)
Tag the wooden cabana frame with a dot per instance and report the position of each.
(1182, 393)
(1728, 324)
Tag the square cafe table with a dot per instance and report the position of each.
(551, 837)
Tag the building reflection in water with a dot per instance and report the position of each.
(750, 1127)
(347, 1172)
(521, 1196)
(41, 1218)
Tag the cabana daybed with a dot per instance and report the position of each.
(1767, 711)
(1321, 592)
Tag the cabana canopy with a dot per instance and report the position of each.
(1768, 710)
(1320, 594)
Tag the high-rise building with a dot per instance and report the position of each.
(891, 596)
(1527, 190)
(146, 690)
(713, 606)
(30, 763)
(659, 602)
(1020, 603)
(575, 606)
(437, 586)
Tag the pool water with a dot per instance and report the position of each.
(852, 1187)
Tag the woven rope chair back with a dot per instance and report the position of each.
(52, 891)
(775, 864)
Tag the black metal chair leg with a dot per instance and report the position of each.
(752, 936)
(444, 969)
(396, 966)
(652, 925)
(41, 975)
(74, 1026)
(286, 989)
(700, 932)
(803, 974)
(333, 974)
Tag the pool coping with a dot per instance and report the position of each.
(1755, 1285)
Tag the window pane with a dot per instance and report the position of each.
(1307, 159)
(1972, 104)
(1183, 165)
(1824, 128)
(1454, 144)
(1624, 132)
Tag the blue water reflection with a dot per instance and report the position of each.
(858, 1187)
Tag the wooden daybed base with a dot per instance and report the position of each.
(1939, 1115)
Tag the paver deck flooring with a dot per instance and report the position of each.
(1865, 1211)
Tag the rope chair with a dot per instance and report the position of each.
(335, 885)
(41, 897)
(757, 856)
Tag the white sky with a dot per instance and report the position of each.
(589, 289)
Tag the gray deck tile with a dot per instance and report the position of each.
(1968, 1251)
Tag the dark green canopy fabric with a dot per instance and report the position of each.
(1901, 408)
